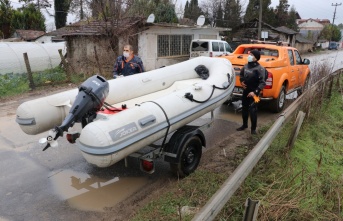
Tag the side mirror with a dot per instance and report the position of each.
(306, 61)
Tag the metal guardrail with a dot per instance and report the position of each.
(222, 196)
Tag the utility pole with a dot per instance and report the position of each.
(259, 22)
(334, 16)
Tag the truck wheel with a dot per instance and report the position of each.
(305, 86)
(278, 104)
(189, 158)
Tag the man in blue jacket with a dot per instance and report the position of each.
(127, 64)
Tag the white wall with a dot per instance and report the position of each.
(311, 25)
(147, 44)
(44, 39)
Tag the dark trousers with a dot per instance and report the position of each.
(249, 107)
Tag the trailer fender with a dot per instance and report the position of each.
(178, 139)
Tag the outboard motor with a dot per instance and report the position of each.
(89, 100)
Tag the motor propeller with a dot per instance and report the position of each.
(49, 140)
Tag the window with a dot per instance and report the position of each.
(173, 45)
(200, 46)
(227, 47)
(297, 57)
(291, 57)
(215, 46)
(163, 46)
(221, 46)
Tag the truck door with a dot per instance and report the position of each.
(299, 67)
(293, 75)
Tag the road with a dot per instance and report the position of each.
(58, 184)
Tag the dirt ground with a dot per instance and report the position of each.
(214, 159)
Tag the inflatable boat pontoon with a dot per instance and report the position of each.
(123, 115)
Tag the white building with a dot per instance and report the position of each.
(163, 45)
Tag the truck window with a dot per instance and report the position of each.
(221, 46)
(200, 46)
(290, 56)
(215, 46)
(297, 57)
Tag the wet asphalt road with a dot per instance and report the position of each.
(58, 184)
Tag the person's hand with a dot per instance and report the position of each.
(251, 94)
(244, 86)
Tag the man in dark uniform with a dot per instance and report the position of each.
(127, 64)
(252, 77)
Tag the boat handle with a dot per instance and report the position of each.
(146, 80)
(147, 120)
(25, 121)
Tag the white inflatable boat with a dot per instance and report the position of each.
(150, 106)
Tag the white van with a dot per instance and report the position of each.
(209, 48)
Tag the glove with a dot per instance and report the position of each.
(256, 99)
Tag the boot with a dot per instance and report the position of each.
(243, 127)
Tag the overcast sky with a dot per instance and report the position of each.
(321, 9)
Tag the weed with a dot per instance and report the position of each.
(302, 183)
(15, 84)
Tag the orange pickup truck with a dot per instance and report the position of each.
(287, 72)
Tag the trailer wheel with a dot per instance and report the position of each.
(189, 157)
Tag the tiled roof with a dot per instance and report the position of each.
(29, 35)
(286, 30)
(301, 39)
(87, 28)
(321, 21)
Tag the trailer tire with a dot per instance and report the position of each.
(189, 157)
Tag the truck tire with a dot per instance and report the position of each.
(189, 158)
(305, 86)
(278, 104)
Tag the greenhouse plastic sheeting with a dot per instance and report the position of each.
(41, 56)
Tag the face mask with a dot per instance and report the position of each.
(250, 58)
(126, 54)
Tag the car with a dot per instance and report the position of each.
(333, 46)
(209, 48)
(287, 71)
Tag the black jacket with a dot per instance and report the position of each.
(253, 75)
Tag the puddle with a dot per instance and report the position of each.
(86, 192)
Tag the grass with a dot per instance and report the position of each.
(305, 183)
(15, 84)
(185, 193)
(302, 183)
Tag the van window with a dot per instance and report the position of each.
(200, 46)
(221, 46)
(215, 46)
(227, 47)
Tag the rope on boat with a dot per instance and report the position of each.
(189, 96)
(167, 119)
